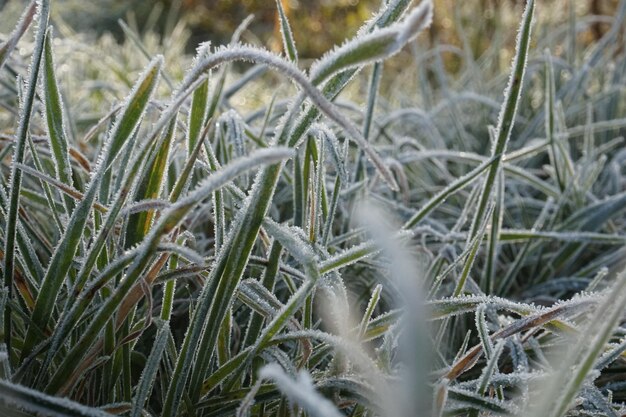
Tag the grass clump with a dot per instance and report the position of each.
(173, 248)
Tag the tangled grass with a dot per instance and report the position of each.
(176, 243)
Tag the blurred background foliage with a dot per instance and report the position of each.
(465, 31)
(318, 25)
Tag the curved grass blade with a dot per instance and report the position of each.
(301, 391)
(256, 55)
(375, 46)
(19, 398)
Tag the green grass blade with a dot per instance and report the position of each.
(26, 111)
(477, 402)
(299, 202)
(449, 190)
(197, 115)
(55, 120)
(26, 247)
(184, 175)
(489, 274)
(128, 121)
(289, 44)
(369, 310)
(550, 122)
(508, 112)
(150, 187)
(52, 206)
(368, 118)
(253, 330)
(150, 370)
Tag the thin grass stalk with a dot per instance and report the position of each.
(508, 112)
(494, 237)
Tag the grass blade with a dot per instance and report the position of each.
(285, 30)
(508, 112)
(150, 187)
(301, 391)
(149, 374)
(55, 120)
(18, 158)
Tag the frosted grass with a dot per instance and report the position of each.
(183, 287)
